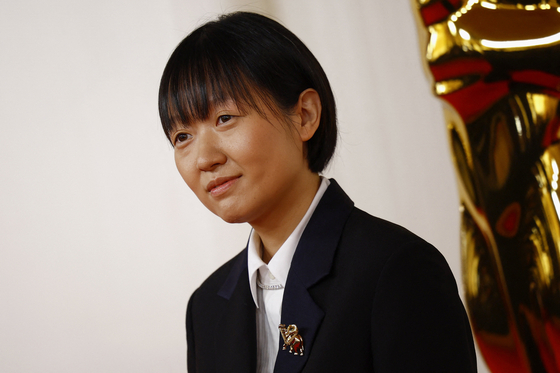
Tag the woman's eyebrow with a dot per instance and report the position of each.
(225, 105)
(181, 127)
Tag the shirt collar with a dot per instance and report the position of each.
(279, 265)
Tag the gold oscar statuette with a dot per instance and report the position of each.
(495, 65)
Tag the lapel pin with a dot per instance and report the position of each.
(291, 338)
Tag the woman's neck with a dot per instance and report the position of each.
(276, 226)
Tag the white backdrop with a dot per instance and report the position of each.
(101, 243)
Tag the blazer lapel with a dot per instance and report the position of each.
(235, 332)
(312, 261)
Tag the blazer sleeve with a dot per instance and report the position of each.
(419, 323)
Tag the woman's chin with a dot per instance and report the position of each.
(231, 218)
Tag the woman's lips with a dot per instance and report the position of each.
(221, 185)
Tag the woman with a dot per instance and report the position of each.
(252, 119)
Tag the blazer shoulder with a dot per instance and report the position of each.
(372, 242)
(231, 268)
(381, 232)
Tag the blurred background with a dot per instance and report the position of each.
(101, 242)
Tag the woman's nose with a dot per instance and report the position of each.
(209, 152)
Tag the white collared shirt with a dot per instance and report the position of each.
(269, 302)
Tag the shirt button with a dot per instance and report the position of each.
(271, 276)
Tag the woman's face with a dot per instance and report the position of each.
(242, 167)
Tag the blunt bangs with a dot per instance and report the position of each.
(253, 61)
(197, 77)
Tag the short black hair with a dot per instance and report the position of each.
(248, 58)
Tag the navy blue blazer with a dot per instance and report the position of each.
(367, 296)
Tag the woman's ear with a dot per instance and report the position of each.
(308, 109)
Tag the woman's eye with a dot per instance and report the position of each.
(182, 137)
(224, 118)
